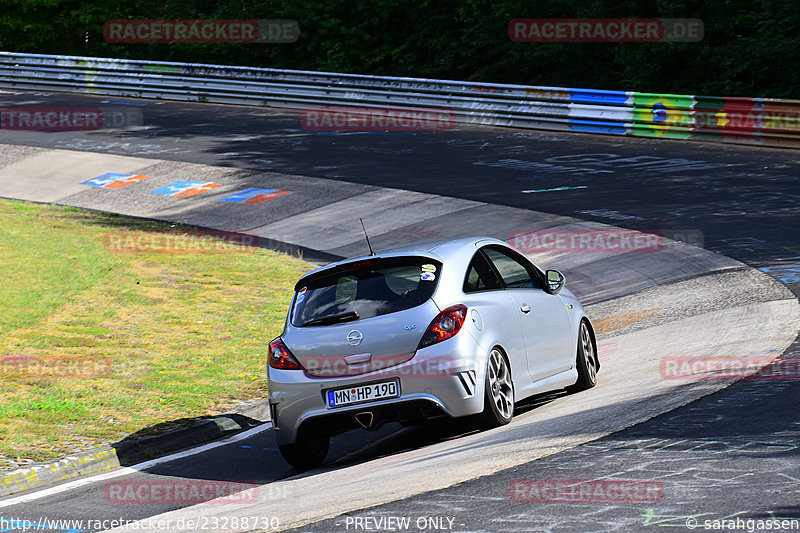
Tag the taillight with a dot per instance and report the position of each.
(281, 357)
(445, 325)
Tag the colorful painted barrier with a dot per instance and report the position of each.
(757, 121)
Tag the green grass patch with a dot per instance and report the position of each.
(109, 325)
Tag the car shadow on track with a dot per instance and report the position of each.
(257, 459)
(175, 435)
(416, 436)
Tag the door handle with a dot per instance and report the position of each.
(525, 308)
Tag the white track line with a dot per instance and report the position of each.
(124, 470)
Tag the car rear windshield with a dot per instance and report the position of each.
(365, 289)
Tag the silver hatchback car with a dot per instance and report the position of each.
(457, 328)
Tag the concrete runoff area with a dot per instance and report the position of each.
(696, 304)
(53, 175)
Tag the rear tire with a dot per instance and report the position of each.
(498, 403)
(307, 451)
(586, 360)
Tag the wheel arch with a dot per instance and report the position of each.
(503, 351)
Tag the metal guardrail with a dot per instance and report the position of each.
(758, 121)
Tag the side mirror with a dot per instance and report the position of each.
(555, 281)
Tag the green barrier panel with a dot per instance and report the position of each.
(662, 115)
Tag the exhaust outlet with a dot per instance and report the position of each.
(365, 419)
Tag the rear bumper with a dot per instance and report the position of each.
(443, 379)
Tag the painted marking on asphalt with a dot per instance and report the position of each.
(521, 164)
(124, 102)
(91, 145)
(566, 188)
(783, 271)
(185, 189)
(254, 196)
(125, 470)
(610, 214)
(112, 180)
(608, 348)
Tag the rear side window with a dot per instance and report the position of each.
(480, 276)
(365, 289)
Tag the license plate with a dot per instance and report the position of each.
(363, 393)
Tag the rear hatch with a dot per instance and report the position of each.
(362, 316)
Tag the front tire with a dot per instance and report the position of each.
(307, 451)
(498, 400)
(586, 360)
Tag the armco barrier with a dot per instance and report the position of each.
(758, 121)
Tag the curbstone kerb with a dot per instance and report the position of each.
(132, 451)
(69, 467)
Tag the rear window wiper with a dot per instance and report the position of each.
(333, 319)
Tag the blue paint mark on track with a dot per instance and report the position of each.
(787, 272)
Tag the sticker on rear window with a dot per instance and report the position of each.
(428, 268)
(365, 289)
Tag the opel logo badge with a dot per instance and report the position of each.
(355, 337)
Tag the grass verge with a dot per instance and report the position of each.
(109, 324)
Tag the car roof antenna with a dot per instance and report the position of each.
(371, 251)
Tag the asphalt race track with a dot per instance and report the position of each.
(744, 200)
(733, 454)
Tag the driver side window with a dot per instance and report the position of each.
(515, 272)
